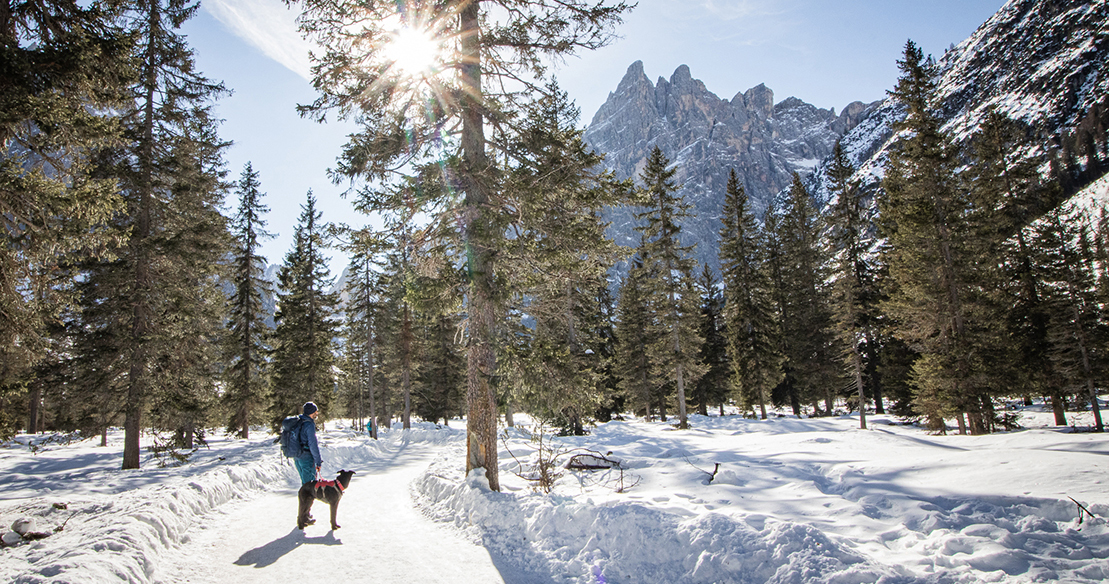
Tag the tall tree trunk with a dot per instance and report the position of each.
(370, 357)
(683, 421)
(33, 411)
(857, 358)
(244, 407)
(481, 422)
(875, 378)
(141, 311)
(1083, 347)
(406, 367)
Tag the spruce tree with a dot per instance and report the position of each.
(246, 347)
(672, 292)
(634, 335)
(751, 323)
(195, 251)
(558, 257)
(854, 289)
(786, 389)
(441, 377)
(65, 76)
(486, 44)
(1002, 178)
(605, 345)
(360, 334)
(939, 261)
(713, 387)
(303, 351)
(807, 327)
(169, 173)
(1076, 327)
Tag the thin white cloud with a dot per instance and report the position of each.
(735, 9)
(268, 26)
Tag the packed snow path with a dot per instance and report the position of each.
(383, 538)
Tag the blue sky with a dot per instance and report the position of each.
(825, 52)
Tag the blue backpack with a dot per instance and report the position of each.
(290, 437)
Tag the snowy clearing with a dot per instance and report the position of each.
(730, 500)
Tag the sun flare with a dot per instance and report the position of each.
(413, 52)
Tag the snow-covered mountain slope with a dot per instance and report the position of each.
(1042, 62)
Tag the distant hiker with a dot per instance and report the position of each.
(309, 461)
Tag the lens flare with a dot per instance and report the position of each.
(413, 52)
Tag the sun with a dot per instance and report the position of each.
(413, 52)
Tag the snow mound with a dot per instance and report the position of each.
(561, 540)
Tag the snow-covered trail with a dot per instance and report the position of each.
(383, 538)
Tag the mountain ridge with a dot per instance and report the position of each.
(1042, 62)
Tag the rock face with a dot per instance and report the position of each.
(705, 137)
(1043, 62)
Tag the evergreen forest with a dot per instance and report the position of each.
(133, 290)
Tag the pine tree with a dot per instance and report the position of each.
(487, 43)
(303, 338)
(713, 387)
(673, 291)
(807, 327)
(170, 174)
(854, 289)
(245, 377)
(65, 75)
(1076, 327)
(634, 335)
(750, 320)
(941, 255)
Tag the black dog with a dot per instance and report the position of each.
(327, 491)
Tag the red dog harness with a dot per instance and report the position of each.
(324, 484)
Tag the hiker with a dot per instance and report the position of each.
(309, 462)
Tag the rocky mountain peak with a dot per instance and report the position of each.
(760, 100)
(705, 137)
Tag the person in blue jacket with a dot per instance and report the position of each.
(309, 462)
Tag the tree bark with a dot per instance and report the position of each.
(140, 324)
(481, 422)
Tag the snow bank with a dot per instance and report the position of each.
(791, 501)
(136, 516)
(562, 540)
(136, 526)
